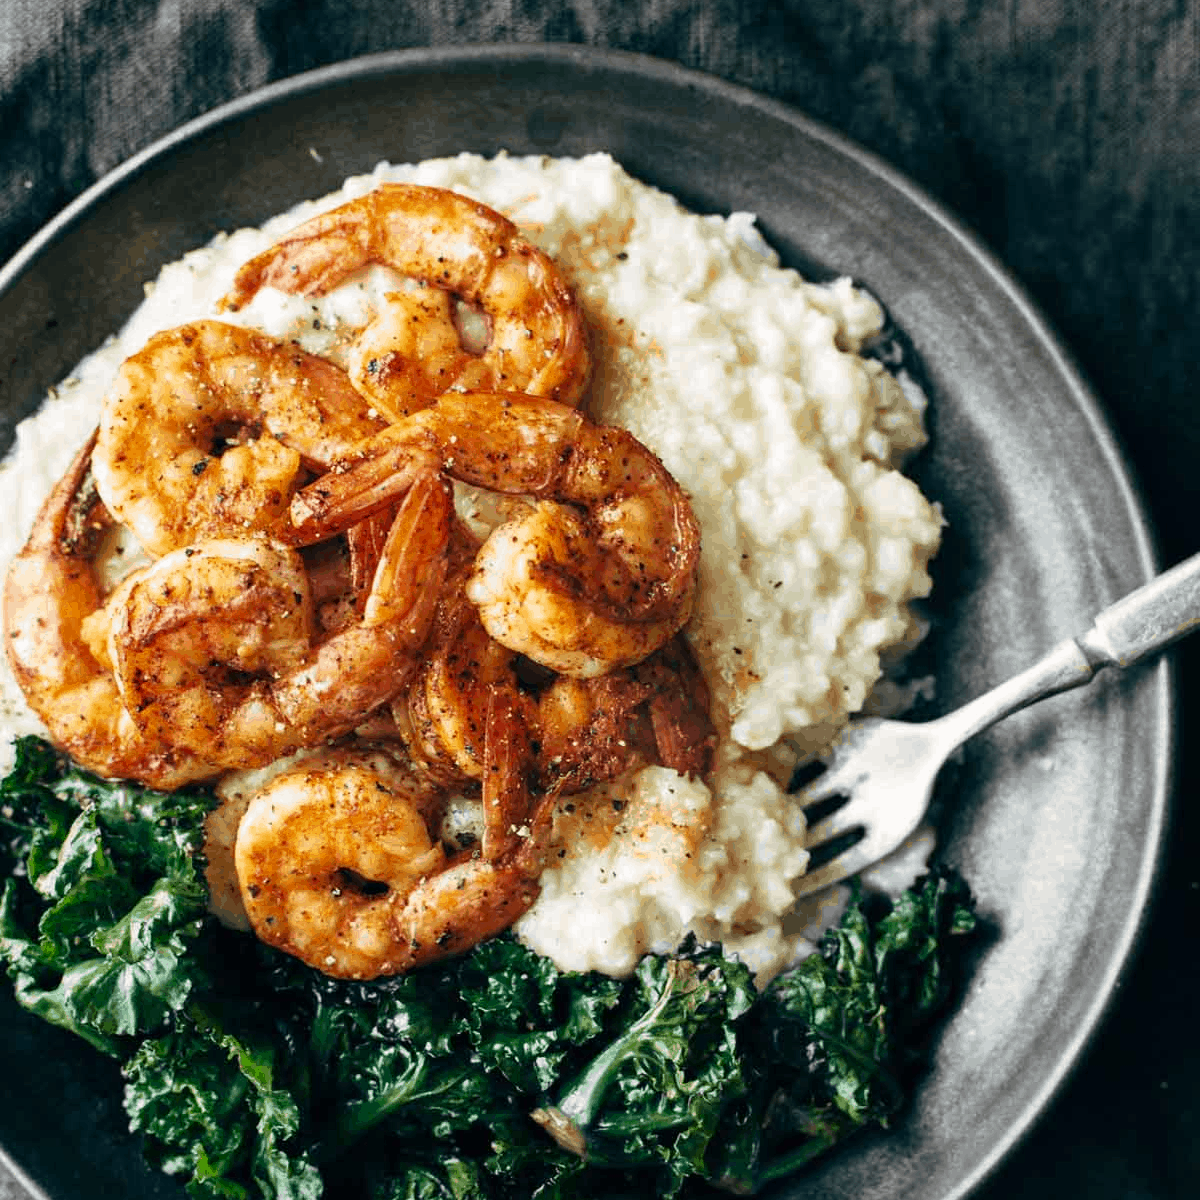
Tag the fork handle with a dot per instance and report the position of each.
(1149, 619)
(1157, 614)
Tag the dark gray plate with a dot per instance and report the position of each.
(1057, 816)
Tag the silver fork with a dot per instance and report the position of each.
(887, 768)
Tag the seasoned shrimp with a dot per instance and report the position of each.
(590, 730)
(537, 341)
(601, 570)
(49, 594)
(235, 789)
(339, 865)
(584, 730)
(207, 431)
(418, 346)
(214, 651)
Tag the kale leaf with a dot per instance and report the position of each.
(653, 1096)
(103, 895)
(839, 1039)
(207, 1103)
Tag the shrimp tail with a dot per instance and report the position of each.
(482, 892)
(507, 759)
(326, 250)
(41, 634)
(361, 487)
(397, 616)
(684, 733)
(412, 566)
(364, 545)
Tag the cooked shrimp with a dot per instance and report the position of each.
(417, 347)
(49, 594)
(590, 730)
(339, 865)
(537, 341)
(208, 429)
(598, 574)
(214, 647)
(584, 730)
(235, 789)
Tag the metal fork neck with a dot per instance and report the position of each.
(1066, 666)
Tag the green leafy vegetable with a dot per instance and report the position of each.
(492, 1077)
(208, 1105)
(838, 1038)
(102, 899)
(654, 1094)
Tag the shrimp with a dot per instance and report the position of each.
(455, 245)
(584, 731)
(339, 865)
(50, 593)
(213, 646)
(600, 571)
(208, 430)
(657, 710)
(235, 789)
(417, 347)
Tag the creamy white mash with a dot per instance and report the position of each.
(750, 384)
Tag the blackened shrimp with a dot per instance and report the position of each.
(600, 571)
(583, 730)
(535, 336)
(340, 864)
(215, 650)
(50, 593)
(208, 429)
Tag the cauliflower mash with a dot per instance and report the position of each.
(751, 386)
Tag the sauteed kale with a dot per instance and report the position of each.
(492, 1076)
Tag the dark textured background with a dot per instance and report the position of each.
(1065, 132)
